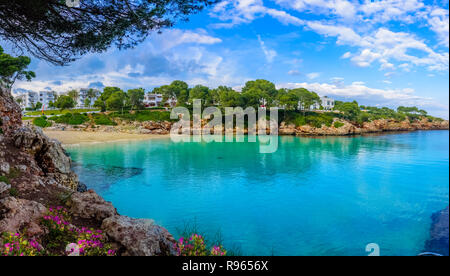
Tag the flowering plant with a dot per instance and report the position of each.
(16, 245)
(195, 246)
(57, 220)
(218, 251)
(92, 243)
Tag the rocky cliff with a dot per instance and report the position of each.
(35, 172)
(375, 126)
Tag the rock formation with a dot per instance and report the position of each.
(368, 127)
(37, 171)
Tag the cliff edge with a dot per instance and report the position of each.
(35, 173)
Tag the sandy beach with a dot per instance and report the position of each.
(81, 137)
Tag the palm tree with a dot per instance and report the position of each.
(91, 94)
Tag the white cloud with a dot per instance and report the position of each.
(294, 73)
(313, 75)
(235, 12)
(439, 23)
(269, 53)
(358, 24)
(359, 91)
(384, 46)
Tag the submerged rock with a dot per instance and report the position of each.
(439, 233)
(140, 237)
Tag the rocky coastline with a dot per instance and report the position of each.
(346, 128)
(36, 173)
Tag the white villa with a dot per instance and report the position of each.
(152, 99)
(325, 102)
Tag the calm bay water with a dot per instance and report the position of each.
(314, 196)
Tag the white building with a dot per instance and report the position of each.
(325, 102)
(152, 99)
(83, 95)
(31, 98)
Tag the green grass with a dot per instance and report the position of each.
(59, 112)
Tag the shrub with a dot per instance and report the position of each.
(15, 244)
(71, 119)
(142, 116)
(102, 119)
(4, 179)
(42, 122)
(92, 243)
(57, 221)
(13, 192)
(338, 124)
(195, 246)
(87, 242)
(310, 118)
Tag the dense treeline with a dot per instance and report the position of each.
(295, 104)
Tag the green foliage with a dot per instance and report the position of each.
(116, 100)
(4, 179)
(103, 119)
(196, 246)
(178, 90)
(13, 68)
(306, 98)
(38, 106)
(202, 93)
(350, 110)
(136, 97)
(255, 91)
(71, 119)
(14, 244)
(142, 116)
(338, 124)
(42, 122)
(13, 192)
(310, 118)
(64, 102)
(74, 94)
(57, 33)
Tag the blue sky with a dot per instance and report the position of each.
(385, 52)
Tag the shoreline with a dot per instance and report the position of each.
(72, 138)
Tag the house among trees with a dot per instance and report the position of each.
(152, 99)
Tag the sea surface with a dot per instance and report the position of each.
(313, 196)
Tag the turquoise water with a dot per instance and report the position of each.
(314, 196)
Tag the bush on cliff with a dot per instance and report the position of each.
(102, 119)
(310, 118)
(42, 122)
(71, 119)
(338, 124)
